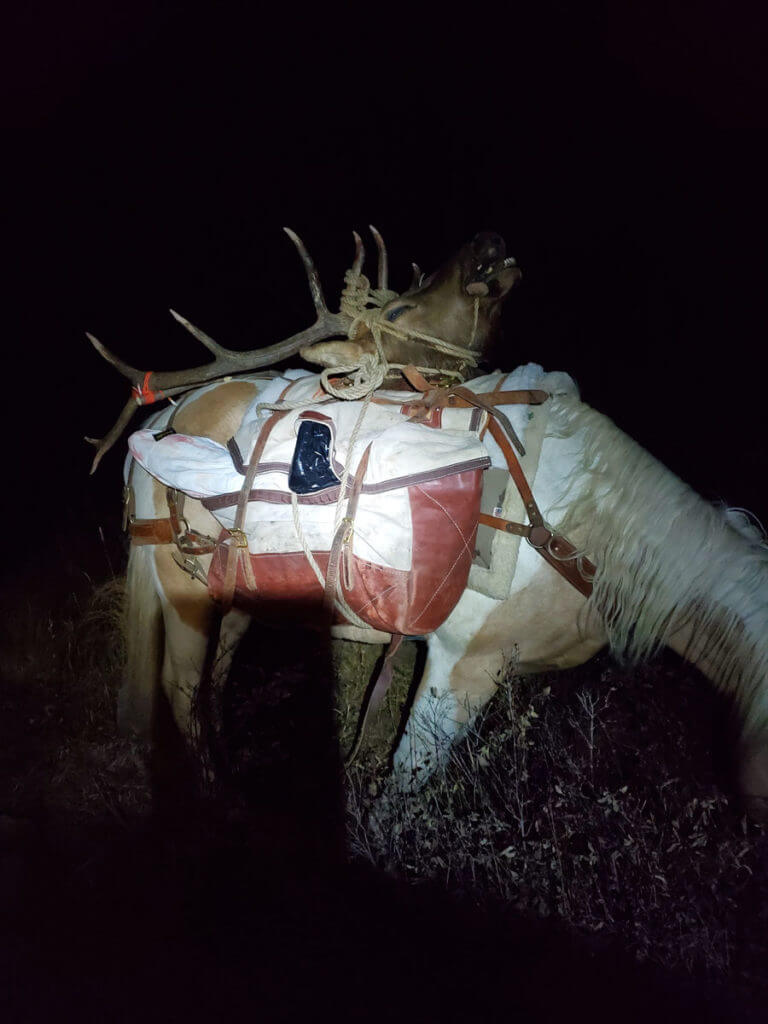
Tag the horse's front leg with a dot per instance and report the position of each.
(540, 627)
(462, 672)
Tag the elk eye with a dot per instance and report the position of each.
(393, 314)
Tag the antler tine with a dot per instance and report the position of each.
(312, 276)
(416, 277)
(357, 264)
(225, 361)
(383, 266)
(207, 340)
(133, 375)
(103, 444)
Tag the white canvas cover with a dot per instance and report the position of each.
(402, 451)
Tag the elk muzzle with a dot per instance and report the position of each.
(487, 270)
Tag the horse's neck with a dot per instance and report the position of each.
(672, 569)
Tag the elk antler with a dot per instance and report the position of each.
(226, 361)
(383, 264)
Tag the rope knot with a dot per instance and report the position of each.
(381, 296)
(363, 378)
(365, 307)
(354, 295)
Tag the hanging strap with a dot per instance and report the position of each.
(552, 546)
(237, 551)
(462, 397)
(343, 538)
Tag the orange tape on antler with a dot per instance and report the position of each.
(144, 394)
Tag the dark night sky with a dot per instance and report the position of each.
(155, 155)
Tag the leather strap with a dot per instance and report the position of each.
(344, 533)
(188, 541)
(503, 524)
(496, 414)
(239, 547)
(150, 531)
(517, 474)
(463, 398)
(174, 529)
(552, 546)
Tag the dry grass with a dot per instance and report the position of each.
(590, 797)
(595, 803)
(62, 759)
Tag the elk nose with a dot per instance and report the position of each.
(488, 247)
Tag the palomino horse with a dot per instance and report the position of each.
(670, 570)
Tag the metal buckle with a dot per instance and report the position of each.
(349, 524)
(239, 537)
(191, 566)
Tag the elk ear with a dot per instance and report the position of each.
(336, 353)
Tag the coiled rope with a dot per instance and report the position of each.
(364, 306)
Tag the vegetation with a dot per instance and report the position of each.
(591, 798)
(597, 798)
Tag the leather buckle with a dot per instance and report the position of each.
(540, 536)
(239, 537)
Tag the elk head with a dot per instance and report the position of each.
(460, 303)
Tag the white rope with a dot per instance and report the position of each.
(348, 463)
(374, 317)
(338, 599)
(290, 406)
(370, 372)
(303, 540)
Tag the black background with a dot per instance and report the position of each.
(153, 155)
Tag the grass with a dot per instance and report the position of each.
(591, 798)
(61, 757)
(596, 798)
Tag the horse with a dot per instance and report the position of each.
(669, 570)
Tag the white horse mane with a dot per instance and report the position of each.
(665, 557)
